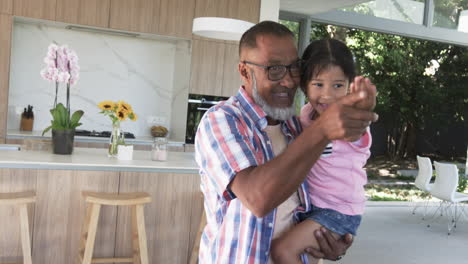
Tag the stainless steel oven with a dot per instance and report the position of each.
(197, 106)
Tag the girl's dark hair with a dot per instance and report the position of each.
(321, 54)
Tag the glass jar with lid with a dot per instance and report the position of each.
(159, 150)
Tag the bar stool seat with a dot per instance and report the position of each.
(117, 199)
(136, 201)
(21, 201)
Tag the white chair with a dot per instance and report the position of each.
(423, 180)
(445, 188)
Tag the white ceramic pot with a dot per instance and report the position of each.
(125, 152)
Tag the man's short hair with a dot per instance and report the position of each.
(249, 38)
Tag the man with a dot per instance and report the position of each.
(251, 182)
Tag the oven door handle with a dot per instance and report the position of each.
(202, 101)
(202, 108)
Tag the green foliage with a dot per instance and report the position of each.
(376, 198)
(293, 26)
(462, 182)
(388, 192)
(61, 119)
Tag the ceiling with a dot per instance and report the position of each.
(308, 7)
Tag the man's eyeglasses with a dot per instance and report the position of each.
(277, 72)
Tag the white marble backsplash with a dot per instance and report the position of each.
(150, 74)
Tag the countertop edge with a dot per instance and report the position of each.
(41, 166)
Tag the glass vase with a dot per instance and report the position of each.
(116, 138)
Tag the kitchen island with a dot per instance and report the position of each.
(56, 219)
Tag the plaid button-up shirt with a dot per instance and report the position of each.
(231, 138)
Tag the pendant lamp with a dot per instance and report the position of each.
(220, 28)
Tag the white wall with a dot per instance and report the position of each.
(269, 10)
(150, 74)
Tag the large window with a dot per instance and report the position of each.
(452, 14)
(448, 14)
(411, 11)
(435, 20)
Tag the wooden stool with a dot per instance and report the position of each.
(196, 243)
(21, 200)
(136, 201)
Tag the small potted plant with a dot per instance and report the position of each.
(62, 67)
(117, 112)
(63, 128)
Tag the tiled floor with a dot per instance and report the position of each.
(390, 234)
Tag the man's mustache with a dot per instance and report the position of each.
(282, 89)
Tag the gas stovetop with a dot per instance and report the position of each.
(87, 133)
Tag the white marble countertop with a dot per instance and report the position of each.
(97, 160)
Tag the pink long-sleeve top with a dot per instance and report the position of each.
(337, 180)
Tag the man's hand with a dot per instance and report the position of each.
(330, 248)
(364, 84)
(343, 120)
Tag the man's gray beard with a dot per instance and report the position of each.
(277, 113)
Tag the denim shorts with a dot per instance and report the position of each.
(333, 220)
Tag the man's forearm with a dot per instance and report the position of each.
(265, 187)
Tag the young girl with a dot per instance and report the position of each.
(336, 180)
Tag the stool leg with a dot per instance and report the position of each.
(135, 241)
(84, 234)
(25, 238)
(196, 244)
(139, 235)
(91, 230)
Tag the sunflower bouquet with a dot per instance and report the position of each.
(117, 112)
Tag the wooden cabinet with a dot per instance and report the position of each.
(163, 17)
(214, 68)
(207, 67)
(176, 18)
(211, 8)
(56, 219)
(6, 7)
(231, 76)
(135, 15)
(42, 9)
(60, 212)
(171, 217)
(248, 10)
(6, 23)
(84, 12)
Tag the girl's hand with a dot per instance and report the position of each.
(364, 84)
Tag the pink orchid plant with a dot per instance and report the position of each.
(61, 67)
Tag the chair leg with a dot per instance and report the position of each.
(441, 208)
(416, 206)
(463, 212)
(457, 215)
(91, 233)
(25, 238)
(426, 205)
(140, 246)
(451, 217)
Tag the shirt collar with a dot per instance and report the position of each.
(252, 109)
